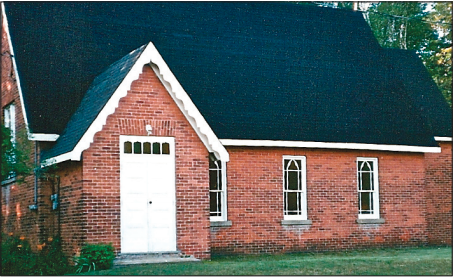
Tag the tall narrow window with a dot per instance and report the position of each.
(10, 120)
(9, 116)
(217, 190)
(368, 188)
(294, 188)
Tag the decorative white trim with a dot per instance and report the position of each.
(43, 137)
(150, 55)
(186, 105)
(109, 108)
(442, 139)
(58, 159)
(325, 145)
(13, 59)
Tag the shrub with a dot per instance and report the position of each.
(95, 257)
(51, 260)
(18, 258)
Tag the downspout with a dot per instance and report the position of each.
(35, 205)
(59, 210)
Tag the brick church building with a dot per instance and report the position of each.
(220, 128)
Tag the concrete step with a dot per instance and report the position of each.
(152, 258)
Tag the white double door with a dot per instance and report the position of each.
(147, 186)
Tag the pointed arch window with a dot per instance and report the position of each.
(368, 188)
(294, 188)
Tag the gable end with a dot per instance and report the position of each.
(151, 56)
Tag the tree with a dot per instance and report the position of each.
(15, 156)
(423, 27)
(439, 63)
(400, 25)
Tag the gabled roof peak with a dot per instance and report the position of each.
(103, 98)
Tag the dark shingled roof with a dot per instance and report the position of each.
(423, 91)
(95, 99)
(255, 70)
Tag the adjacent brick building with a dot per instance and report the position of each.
(196, 145)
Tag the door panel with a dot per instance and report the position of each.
(148, 209)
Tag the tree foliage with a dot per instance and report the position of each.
(423, 27)
(15, 156)
(400, 25)
(439, 63)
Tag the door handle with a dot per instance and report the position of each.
(150, 202)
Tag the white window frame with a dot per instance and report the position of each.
(10, 120)
(223, 192)
(303, 191)
(375, 192)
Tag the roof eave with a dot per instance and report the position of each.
(442, 139)
(43, 137)
(70, 156)
(329, 145)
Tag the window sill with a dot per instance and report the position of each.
(221, 223)
(296, 222)
(371, 221)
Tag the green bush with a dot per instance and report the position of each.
(51, 260)
(95, 257)
(18, 258)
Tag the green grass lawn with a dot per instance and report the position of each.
(405, 261)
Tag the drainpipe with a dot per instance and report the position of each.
(35, 205)
(58, 206)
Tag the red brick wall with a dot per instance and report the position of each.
(439, 198)
(9, 86)
(255, 202)
(69, 220)
(17, 218)
(147, 103)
